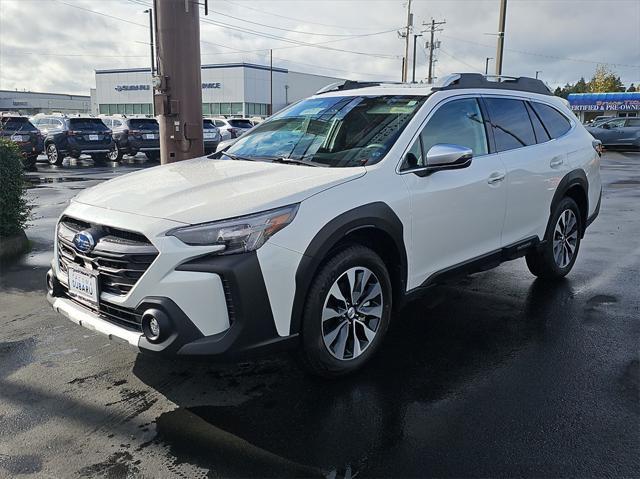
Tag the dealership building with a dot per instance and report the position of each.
(30, 103)
(587, 106)
(232, 89)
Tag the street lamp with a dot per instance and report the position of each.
(538, 71)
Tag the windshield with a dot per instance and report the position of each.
(144, 124)
(16, 123)
(331, 131)
(89, 124)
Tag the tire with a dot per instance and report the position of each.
(557, 254)
(115, 154)
(330, 318)
(153, 156)
(53, 154)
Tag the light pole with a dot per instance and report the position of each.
(538, 71)
(415, 40)
(486, 65)
(501, 28)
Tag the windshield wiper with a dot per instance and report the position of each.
(296, 161)
(237, 157)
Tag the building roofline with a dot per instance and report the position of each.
(88, 97)
(204, 67)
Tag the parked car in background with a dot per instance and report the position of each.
(74, 136)
(232, 127)
(212, 136)
(598, 120)
(21, 131)
(619, 133)
(318, 224)
(132, 135)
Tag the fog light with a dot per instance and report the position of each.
(155, 325)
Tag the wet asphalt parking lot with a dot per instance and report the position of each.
(494, 375)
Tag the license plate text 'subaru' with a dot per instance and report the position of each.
(83, 284)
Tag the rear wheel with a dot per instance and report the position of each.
(99, 158)
(347, 313)
(557, 255)
(53, 154)
(115, 154)
(153, 156)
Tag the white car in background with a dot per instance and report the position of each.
(232, 127)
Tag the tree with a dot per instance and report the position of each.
(604, 80)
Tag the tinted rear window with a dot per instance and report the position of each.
(89, 124)
(17, 123)
(510, 122)
(144, 124)
(240, 123)
(555, 122)
(208, 125)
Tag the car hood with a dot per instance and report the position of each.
(201, 190)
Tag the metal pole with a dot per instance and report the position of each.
(271, 81)
(405, 67)
(501, 28)
(486, 65)
(415, 40)
(433, 29)
(537, 72)
(178, 84)
(152, 51)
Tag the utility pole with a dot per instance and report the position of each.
(486, 65)
(501, 29)
(153, 53)
(415, 41)
(178, 83)
(433, 28)
(405, 35)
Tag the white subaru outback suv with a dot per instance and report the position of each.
(314, 227)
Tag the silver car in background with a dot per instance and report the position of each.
(619, 133)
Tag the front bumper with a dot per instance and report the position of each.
(216, 305)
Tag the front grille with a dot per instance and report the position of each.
(120, 257)
(125, 317)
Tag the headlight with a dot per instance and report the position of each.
(238, 235)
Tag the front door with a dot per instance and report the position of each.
(457, 215)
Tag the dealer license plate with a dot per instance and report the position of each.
(94, 137)
(209, 136)
(83, 284)
(150, 136)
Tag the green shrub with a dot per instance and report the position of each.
(15, 209)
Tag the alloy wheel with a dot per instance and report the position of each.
(113, 154)
(52, 153)
(565, 238)
(352, 313)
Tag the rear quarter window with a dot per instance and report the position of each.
(554, 122)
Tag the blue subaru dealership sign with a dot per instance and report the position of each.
(619, 101)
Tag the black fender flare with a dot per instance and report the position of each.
(376, 215)
(574, 178)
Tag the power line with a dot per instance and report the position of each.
(292, 18)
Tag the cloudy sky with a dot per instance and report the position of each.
(55, 45)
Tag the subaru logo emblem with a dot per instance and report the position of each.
(83, 241)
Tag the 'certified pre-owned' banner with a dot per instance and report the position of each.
(148, 87)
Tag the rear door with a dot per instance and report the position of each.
(535, 164)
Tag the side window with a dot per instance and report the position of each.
(635, 122)
(510, 122)
(538, 127)
(458, 122)
(554, 121)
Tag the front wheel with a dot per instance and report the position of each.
(115, 154)
(53, 155)
(557, 255)
(347, 313)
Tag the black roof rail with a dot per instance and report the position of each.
(350, 85)
(460, 81)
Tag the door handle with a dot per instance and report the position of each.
(556, 162)
(496, 177)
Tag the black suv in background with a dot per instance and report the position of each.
(211, 135)
(21, 131)
(132, 135)
(73, 136)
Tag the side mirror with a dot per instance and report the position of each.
(444, 156)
